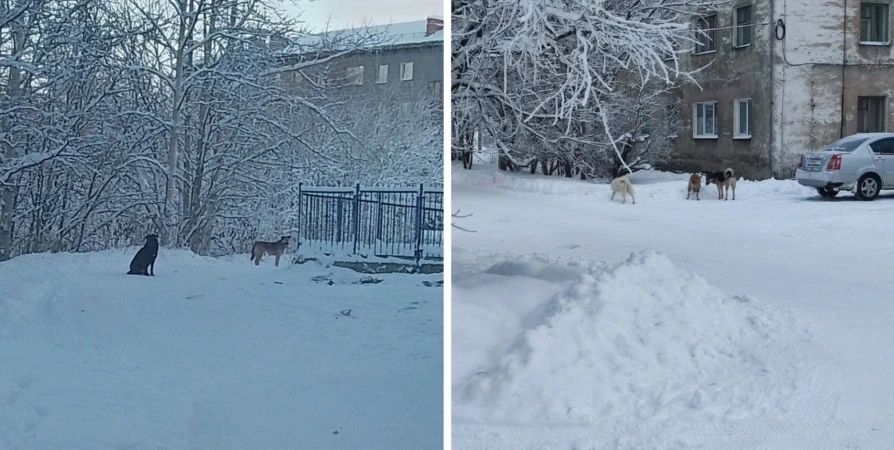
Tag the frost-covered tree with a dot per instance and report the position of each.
(119, 119)
(552, 73)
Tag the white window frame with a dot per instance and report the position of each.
(737, 133)
(748, 26)
(382, 74)
(887, 17)
(406, 71)
(712, 34)
(354, 75)
(883, 112)
(696, 132)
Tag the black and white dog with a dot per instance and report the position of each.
(725, 179)
(143, 262)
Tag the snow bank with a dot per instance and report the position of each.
(642, 339)
(525, 182)
(649, 184)
(773, 188)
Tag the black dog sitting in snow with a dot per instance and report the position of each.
(144, 261)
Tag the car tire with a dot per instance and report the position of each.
(868, 187)
(827, 192)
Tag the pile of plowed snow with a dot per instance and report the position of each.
(650, 185)
(641, 339)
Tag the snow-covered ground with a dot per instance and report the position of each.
(216, 354)
(583, 323)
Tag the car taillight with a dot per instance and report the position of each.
(801, 162)
(834, 163)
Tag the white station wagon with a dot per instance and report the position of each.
(862, 163)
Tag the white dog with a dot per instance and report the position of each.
(623, 185)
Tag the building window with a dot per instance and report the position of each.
(436, 88)
(382, 74)
(874, 23)
(705, 32)
(704, 120)
(355, 75)
(871, 115)
(743, 27)
(742, 119)
(406, 71)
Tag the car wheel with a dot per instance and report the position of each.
(827, 192)
(868, 186)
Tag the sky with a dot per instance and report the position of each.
(345, 13)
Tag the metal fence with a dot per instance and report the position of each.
(385, 222)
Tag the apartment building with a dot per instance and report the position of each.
(782, 77)
(398, 62)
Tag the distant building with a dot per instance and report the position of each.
(400, 61)
(786, 77)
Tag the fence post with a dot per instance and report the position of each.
(355, 217)
(419, 210)
(300, 222)
(339, 220)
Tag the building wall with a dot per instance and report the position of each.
(809, 66)
(728, 74)
(427, 62)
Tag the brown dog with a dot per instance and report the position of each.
(695, 185)
(270, 248)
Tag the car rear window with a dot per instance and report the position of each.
(846, 145)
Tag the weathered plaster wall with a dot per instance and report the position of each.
(728, 74)
(796, 85)
(809, 66)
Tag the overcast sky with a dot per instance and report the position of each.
(345, 13)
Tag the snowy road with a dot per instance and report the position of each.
(825, 262)
(215, 354)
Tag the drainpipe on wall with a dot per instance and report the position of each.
(843, 69)
(772, 89)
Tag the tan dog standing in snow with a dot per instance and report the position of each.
(695, 185)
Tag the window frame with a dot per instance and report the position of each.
(350, 74)
(737, 133)
(379, 73)
(404, 71)
(695, 124)
(883, 113)
(744, 28)
(886, 39)
(711, 33)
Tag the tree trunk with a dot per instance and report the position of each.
(7, 187)
(169, 219)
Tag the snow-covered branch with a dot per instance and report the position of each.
(548, 74)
